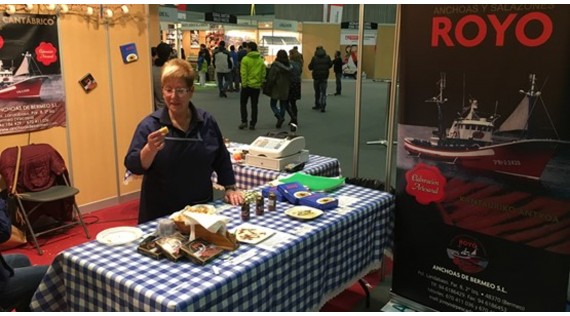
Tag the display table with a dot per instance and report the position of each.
(248, 177)
(335, 250)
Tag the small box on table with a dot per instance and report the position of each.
(293, 191)
(319, 200)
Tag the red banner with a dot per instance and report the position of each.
(31, 86)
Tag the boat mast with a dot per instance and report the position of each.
(440, 100)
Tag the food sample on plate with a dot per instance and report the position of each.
(200, 209)
(252, 234)
(304, 212)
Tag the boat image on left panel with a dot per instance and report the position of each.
(25, 83)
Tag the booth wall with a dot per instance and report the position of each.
(319, 34)
(384, 55)
(99, 123)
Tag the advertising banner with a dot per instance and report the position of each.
(31, 86)
(483, 187)
(349, 33)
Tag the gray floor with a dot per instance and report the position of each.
(328, 134)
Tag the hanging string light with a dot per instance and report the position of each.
(109, 13)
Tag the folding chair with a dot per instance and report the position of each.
(36, 175)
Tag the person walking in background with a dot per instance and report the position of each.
(319, 66)
(202, 68)
(337, 63)
(182, 157)
(279, 79)
(295, 48)
(223, 64)
(240, 55)
(294, 87)
(163, 51)
(234, 74)
(208, 59)
(252, 71)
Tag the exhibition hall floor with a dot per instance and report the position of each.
(327, 134)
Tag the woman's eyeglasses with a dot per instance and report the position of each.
(179, 91)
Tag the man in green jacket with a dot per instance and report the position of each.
(252, 71)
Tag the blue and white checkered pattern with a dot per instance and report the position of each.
(297, 276)
(248, 177)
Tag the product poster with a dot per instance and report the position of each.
(483, 184)
(31, 87)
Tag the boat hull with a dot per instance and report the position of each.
(26, 89)
(523, 158)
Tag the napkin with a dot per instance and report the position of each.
(213, 223)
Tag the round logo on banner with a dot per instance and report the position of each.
(46, 53)
(468, 254)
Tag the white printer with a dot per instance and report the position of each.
(275, 152)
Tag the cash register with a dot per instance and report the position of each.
(275, 151)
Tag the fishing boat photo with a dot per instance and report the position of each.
(25, 83)
(474, 142)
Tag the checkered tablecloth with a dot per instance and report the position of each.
(248, 177)
(297, 276)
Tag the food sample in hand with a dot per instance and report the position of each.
(163, 130)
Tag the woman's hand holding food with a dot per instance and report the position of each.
(155, 140)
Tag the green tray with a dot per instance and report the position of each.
(315, 183)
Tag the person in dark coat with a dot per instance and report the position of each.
(163, 51)
(320, 65)
(279, 78)
(337, 63)
(19, 279)
(207, 58)
(295, 87)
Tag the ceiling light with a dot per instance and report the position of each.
(11, 9)
(125, 9)
(51, 7)
(64, 8)
(109, 13)
(89, 11)
(29, 7)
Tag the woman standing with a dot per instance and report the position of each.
(296, 60)
(177, 161)
(279, 79)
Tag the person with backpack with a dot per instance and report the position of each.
(279, 79)
(223, 64)
(319, 66)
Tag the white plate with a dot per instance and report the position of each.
(252, 234)
(200, 209)
(304, 212)
(119, 235)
